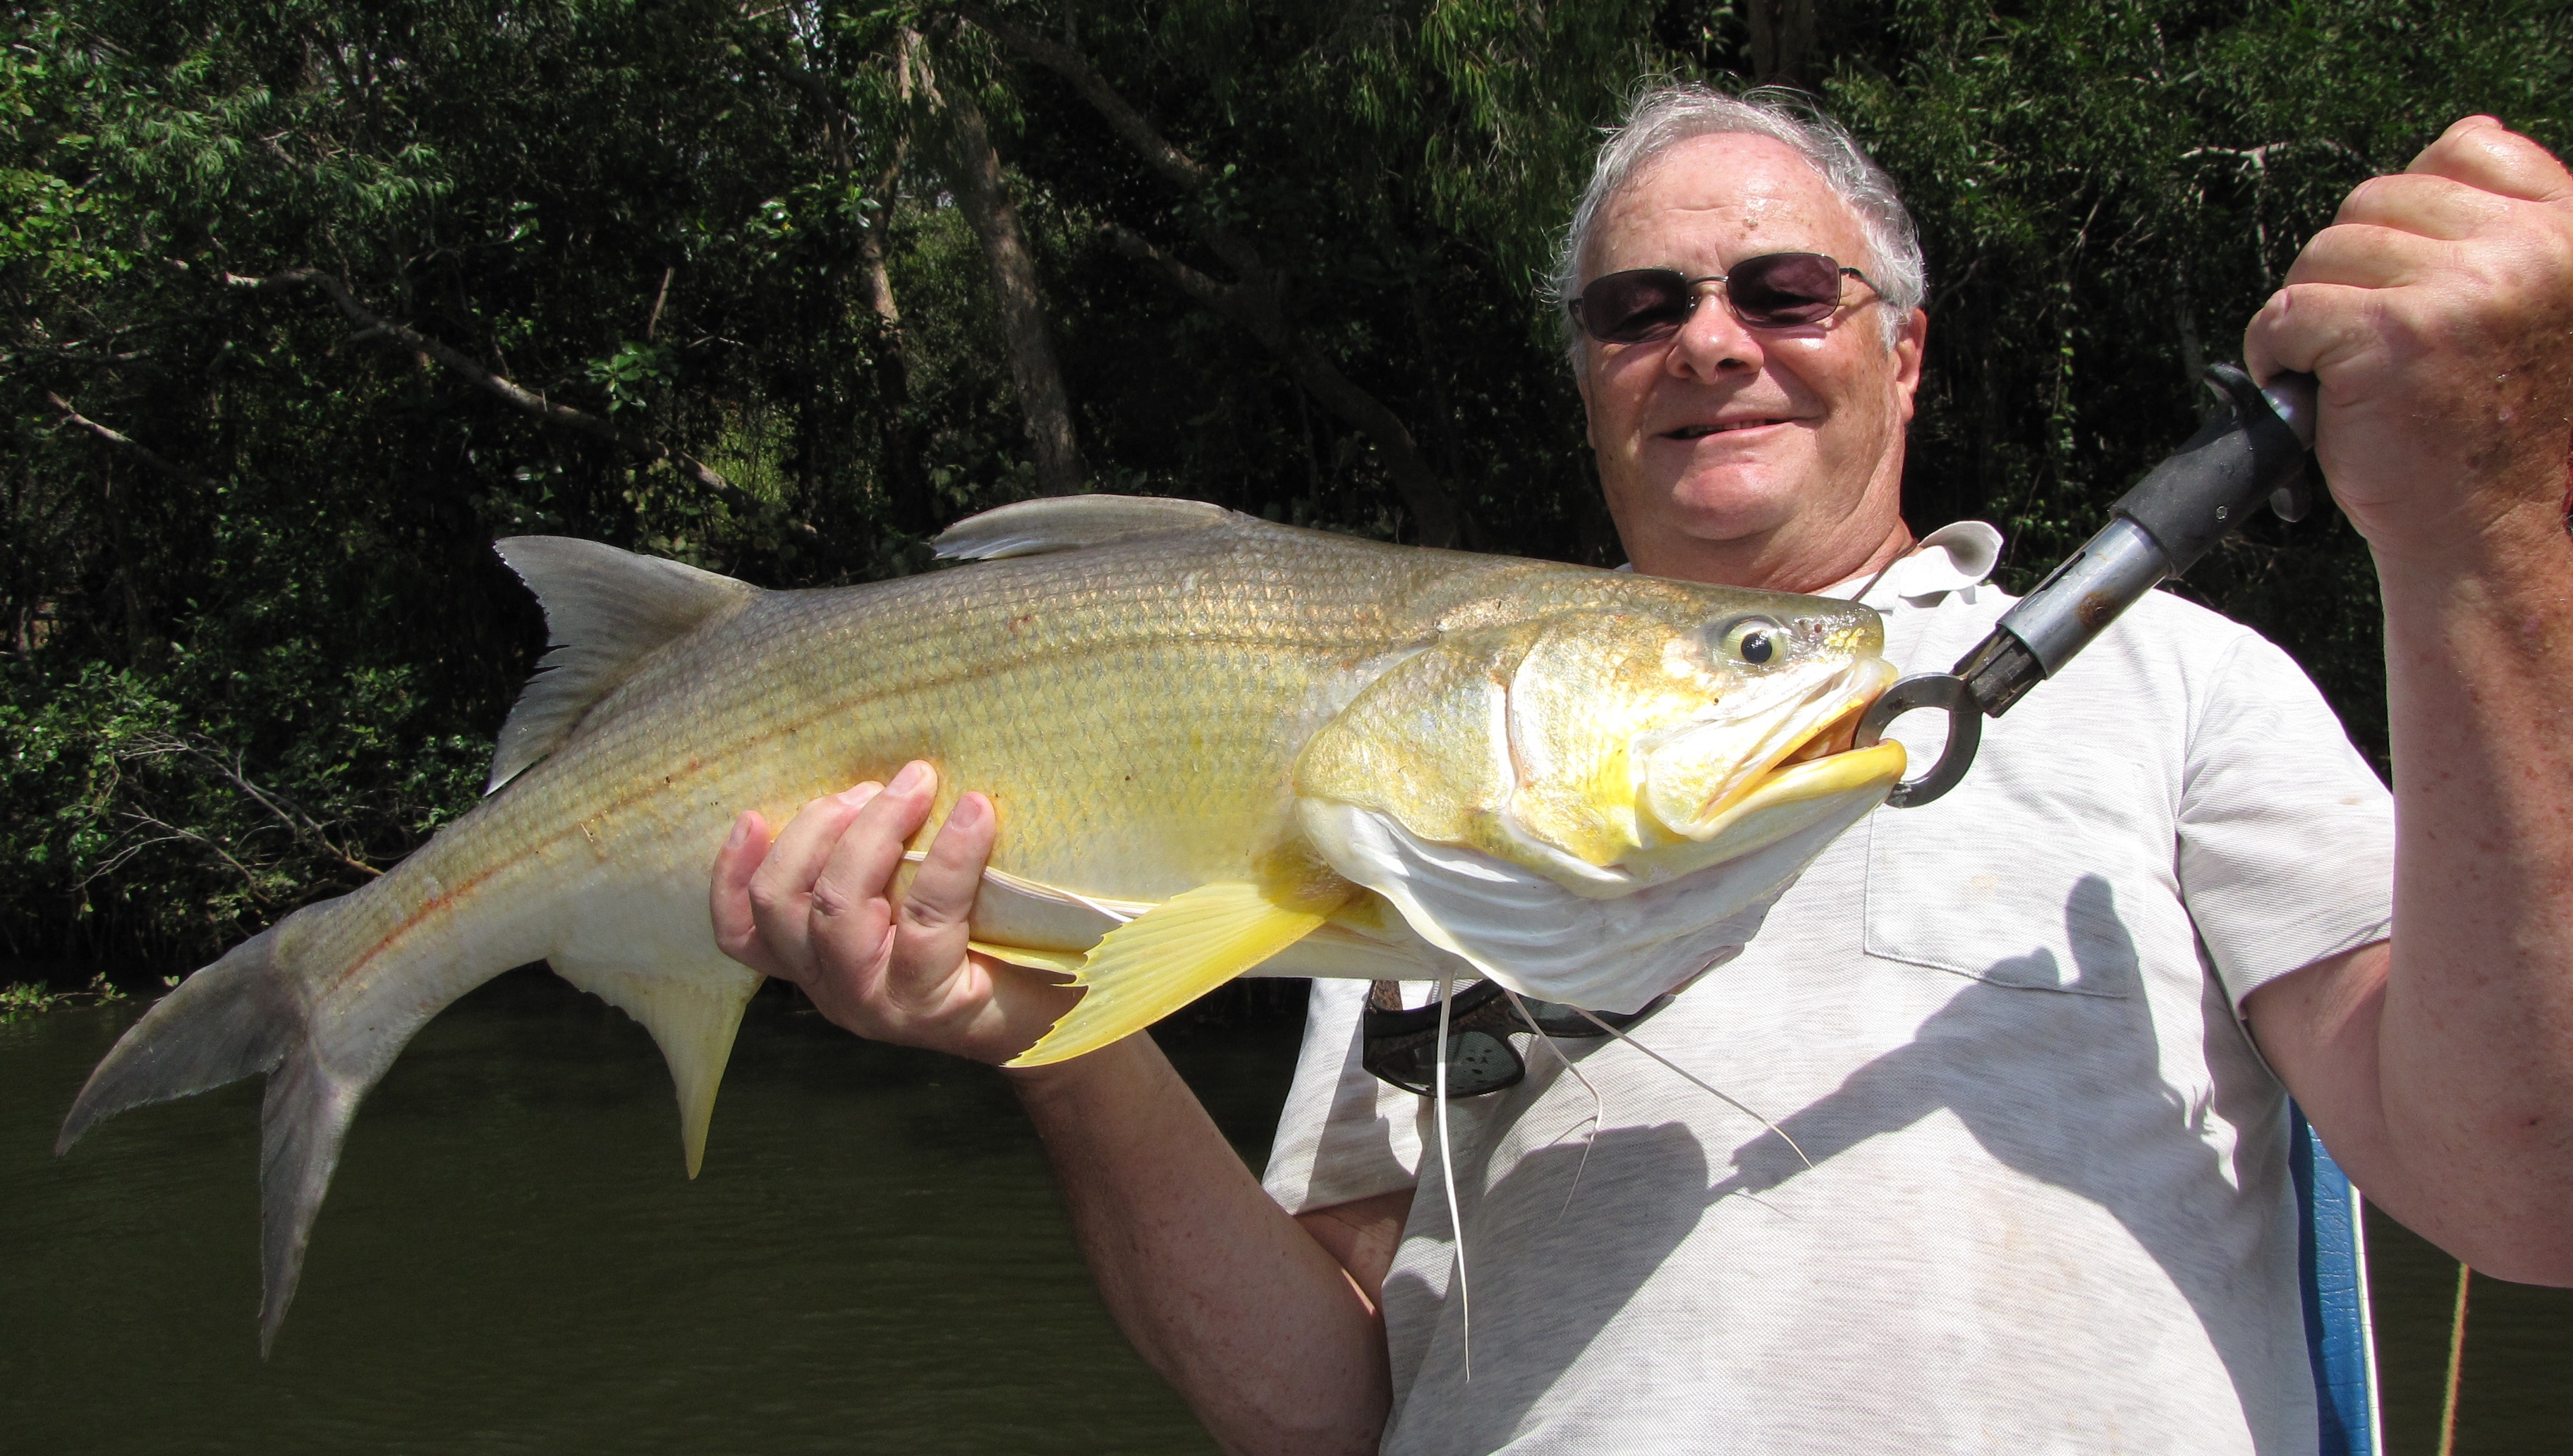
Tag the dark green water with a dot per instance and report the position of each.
(873, 1260)
(512, 1258)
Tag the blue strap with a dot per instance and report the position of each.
(2331, 1266)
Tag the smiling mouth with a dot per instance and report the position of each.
(1701, 431)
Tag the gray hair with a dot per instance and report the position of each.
(1663, 115)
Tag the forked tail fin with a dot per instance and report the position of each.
(251, 1013)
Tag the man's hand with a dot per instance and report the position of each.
(820, 908)
(2437, 311)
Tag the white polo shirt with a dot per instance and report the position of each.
(2048, 1207)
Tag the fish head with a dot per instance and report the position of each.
(1622, 745)
(1650, 746)
(1594, 803)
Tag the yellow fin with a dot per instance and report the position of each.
(692, 1011)
(1170, 955)
(1065, 963)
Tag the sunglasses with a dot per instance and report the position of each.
(1773, 290)
(1400, 1047)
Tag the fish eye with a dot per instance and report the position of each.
(1755, 640)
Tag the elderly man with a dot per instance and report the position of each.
(2034, 1041)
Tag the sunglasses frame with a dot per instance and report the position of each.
(1690, 289)
(1391, 1033)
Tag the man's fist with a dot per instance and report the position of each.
(821, 907)
(2437, 311)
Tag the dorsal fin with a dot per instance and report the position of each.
(1068, 522)
(606, 610)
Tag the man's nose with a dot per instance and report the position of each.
(1713, 342)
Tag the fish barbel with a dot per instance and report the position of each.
(1216, 746)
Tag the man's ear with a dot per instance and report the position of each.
(1907, 347)
(1581, 382)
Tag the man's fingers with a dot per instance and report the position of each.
(932, 928)
(781, 890)
(2429, 205)
(852, 903)
(2482, 152)
(2367, 257)
(2310, 327)
(729, 901)
(803, 845)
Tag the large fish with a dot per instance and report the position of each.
(1216, 746)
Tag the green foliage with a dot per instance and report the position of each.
(2108, 192)
(634, 368)
(260, 651)
(22, 998)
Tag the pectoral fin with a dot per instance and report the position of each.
(1171, 955)
(692, 1011)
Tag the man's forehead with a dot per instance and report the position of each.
(1723, 191)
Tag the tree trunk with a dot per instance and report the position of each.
(974, 170)
(1782, 41)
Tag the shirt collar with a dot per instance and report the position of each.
(1957, 557)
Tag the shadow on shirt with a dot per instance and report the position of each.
(1539, 1304)
(2025, 1072)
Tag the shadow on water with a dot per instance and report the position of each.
(511, 1259)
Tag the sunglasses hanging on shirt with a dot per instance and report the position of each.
(1773, 290)
(1398, 1045)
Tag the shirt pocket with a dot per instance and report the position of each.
(2043, 871)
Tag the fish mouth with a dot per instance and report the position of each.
(1826, 764)
(1838, 734)
(1816, 749)
(1809, 773)
(1721, 789)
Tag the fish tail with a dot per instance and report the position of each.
(251, 1012)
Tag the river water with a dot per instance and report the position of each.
(873, 1259)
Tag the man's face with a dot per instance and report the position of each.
(1755, 456)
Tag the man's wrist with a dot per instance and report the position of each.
(1083, 1078)
(2521, 558)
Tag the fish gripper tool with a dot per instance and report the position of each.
(2252, 453)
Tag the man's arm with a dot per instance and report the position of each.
(2437, 312)
(1270, 1333)
(1275, 1342)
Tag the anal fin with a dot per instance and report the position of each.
(693, 1010)
(1170, 955)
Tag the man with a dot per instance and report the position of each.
(2024, 1037)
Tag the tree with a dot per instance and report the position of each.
(306, 304)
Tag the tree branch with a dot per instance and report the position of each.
(983, 195)
(1257, 301)
(526, 401)
(1424, 493)
(1178, 167)
(141, 451)
(1175, 166)
(297, 824)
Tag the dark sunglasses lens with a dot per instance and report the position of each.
(1636, 306)
(1478, 1062)
(1785, 287)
